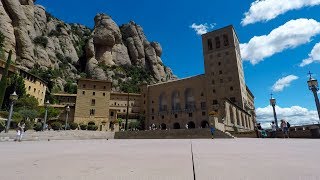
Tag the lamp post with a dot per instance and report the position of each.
(46, 105)
(273, 103)
(67, 114)
(313, 86)
(13, 98)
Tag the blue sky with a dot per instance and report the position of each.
(168, 22)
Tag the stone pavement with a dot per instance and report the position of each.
(58, 135)
(245, 159)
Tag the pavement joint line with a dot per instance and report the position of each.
(193, 170)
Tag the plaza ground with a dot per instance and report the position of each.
(243, 159)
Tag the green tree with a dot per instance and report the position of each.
(52, 113)
(1, 45)
(28, 114)
(70, 87)
(4, 79)
(15, 83)
(27, 102)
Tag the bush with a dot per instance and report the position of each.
(38, 126)
(2, 126)
(91, 123)
(29, 125)
(73, 125)
(56, 126)
(41, 40)
(83, 126)
(92, 127)
(63, 127)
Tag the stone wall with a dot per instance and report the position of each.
(170, 134)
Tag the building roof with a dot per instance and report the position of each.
(94, 80)
(248, 90)
(223, 28)
(176, 80)
(43, 81)
(123, 93)
(64, 94)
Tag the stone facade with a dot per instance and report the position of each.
(221, 91)
(92, 103)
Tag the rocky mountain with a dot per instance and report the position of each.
(44, 44)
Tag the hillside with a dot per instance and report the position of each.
(61, 53)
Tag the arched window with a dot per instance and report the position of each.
(231, 115)
(163, 102)
(175, 99)
(189, 99)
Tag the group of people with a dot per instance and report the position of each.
(284, 126)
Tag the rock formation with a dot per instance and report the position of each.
(40, 40)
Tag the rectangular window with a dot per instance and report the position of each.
(92, 112)
(210, 44)
(233, 99)
(203, 113)
(190, 114)
(104, 87)
(94, 86)
(94, 93)
(231, 88)
(111, 113)
(220, 72)
(176, 116)
(217, 42)
(203, 105)
(93, 102)
(162, 117)
(104, 94)
(152, 117)
(221, 80)
(225, 40)
(84, 86)
(214, 102)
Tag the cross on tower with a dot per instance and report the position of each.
(310, 74)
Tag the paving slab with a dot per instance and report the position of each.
(245, 159)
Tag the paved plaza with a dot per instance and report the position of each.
(245, 159)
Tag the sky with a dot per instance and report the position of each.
(279, 42)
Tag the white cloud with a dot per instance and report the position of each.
(314, 56)
(265, 10)
(295, 115)
(290, 35)
(202, 28)
(283, 82)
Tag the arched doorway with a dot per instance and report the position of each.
(163, 126)
(176, 126)
(204, 124)
(191, 125)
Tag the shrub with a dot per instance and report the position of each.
(56, 126)
(73, 125)
(38, 126)
(2, 126)
(29, 125)
(83, 126)
(92, 127)
(41, 40)
(91, 123)
(63, 127)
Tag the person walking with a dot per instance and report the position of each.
(20, 131)
(212, 131)
(273, 130)
(284, 128)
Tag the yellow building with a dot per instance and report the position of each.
(34, 85)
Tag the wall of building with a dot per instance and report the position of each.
(177, 103)
(92, 104)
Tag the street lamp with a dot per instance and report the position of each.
(13, 98)
(273, 103)
(67, 114)
(46, 105)
(313, 86)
